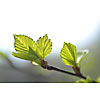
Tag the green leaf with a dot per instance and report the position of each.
(44, 46)
(98, 80)
(22, 43)
(26, 49)
(32, 56)
(88, 80)
(27, 56)
(68, 54)
(81, 55)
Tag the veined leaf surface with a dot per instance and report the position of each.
(68, 54)
(26, 49)
(27, 56)
(44, 46)
(22, 43)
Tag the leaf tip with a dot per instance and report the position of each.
(14, 35)
(46, 34)
(86, 51)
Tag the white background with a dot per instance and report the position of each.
(72, 21)
(39, 91)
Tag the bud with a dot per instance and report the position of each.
(44, 64)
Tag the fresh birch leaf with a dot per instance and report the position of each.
(81, 55)
(26, 49)
(44, 46)
(31, 55)
(27, 56)
(22, 43)
(68, 54)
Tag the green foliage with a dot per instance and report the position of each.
(22, 43)
(88, 80)
(33, 57)
(27, 49)
(44, 46)
(70, 56)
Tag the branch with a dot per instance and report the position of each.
(48, 67)
(66, 72)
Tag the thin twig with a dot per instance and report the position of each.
(51, 68)
(66, 72)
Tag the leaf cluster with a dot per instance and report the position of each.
(28, 49)
(70, 56)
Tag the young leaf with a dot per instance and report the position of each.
(27, 56)
(68, 54)
(31, 56)
(81, 55)
(22, 43)
(26, 49)
(44, 46)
